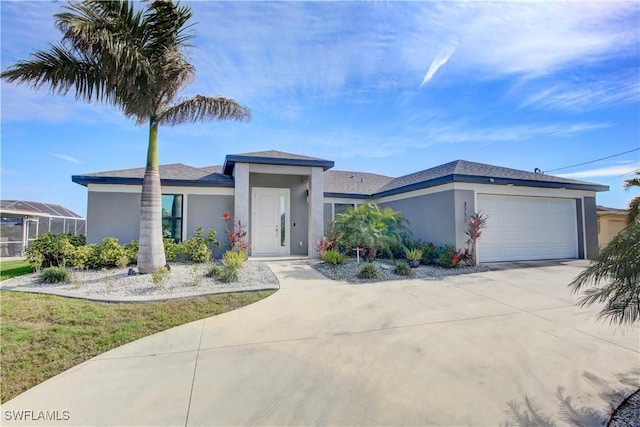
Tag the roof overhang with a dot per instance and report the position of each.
(231, 160)
(86, 180)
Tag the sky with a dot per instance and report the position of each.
(383, 87)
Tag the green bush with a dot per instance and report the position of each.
(429, 253)
(369, 271)
(228, 274)
(55, 275)
(111, 253)
(131, 251)
(197, 247)
(413, 254)
(87, 257)
(213, 271)
(333, 257)
(160, 276)
(447, 257)
(233, 258)
(403, 269)
(51, 250)
(171, 249)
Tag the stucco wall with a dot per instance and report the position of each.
(608, 226)
(464, 208)
(431, 217)
(206, 211)
(113, 215)
(298, 207)
(580, 229)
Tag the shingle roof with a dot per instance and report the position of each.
(273, 157)
(24, 206)
(360, 183)
(465, 171)
(172, 174)
(608, 210)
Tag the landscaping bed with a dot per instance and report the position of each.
(349, 269)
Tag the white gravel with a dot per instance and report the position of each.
(348, 271)
(185, 280)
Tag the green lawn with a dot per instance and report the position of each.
(9, 269)
(43, 335)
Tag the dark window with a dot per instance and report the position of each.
(340, 208)
(172, 216)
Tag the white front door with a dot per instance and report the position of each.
(269, 221)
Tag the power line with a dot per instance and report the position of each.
(592, 161)
(620, 176)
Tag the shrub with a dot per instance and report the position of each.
(429, 253)
(171, 249)
(131, 251)
(447, 257)
(236, 234)
(233, 258)
(325, 244)
(87, 257)
(55, 275)
(413, 254)
(50, 250)
(228, 274)
(369, 271)
(214, 271)
(111, 253)
(160, 276)
(196, 247)
(403, 269)
(333, 257)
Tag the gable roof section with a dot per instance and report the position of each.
(173, 174)
(273, 157)
(353, 184)
(480, 173)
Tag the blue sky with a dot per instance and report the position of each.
(390, 88)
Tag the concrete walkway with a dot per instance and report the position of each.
(489, 348)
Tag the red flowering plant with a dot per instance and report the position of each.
(476, 223)
(236, 234)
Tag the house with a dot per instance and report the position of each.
(286, 201)
(23, 221)
(610, 222)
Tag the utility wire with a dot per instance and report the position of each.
(592, 161)
(620, 176)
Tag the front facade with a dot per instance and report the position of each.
(287, 202)
(611, 221)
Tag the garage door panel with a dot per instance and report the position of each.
(527, 228)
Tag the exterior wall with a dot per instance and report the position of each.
(113, 214)
(298, 207)
(327, 216)
(431, 217)
(206, 211)
(591, 226)
(608, 226)
(464, 208)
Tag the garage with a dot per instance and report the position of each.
(527, 228)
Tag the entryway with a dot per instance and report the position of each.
(269, 221)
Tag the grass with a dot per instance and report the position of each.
(44, 335)
(14, 268)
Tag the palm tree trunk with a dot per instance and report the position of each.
(151, 253)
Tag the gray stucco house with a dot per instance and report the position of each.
(288, 200)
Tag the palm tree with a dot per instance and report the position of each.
(133, 59)
(634, 204)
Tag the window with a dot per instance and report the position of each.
(340, 208)
(172, 216)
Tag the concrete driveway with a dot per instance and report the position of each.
(494, 348)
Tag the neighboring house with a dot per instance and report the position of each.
(610, 222)
(287, 200)
(23, 221)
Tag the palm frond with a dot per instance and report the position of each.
(632, 182)
(614, 278)
(634, 210)
(201, 108)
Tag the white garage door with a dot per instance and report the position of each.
(527, 228)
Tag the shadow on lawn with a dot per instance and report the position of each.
(526, 414)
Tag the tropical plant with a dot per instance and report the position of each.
(369, 271)
(55, 275)
(614, 278)
(51, 250)
(475, 225)
(112, 254)
(403, 269)
(233, 258)
(447, 257)
(368, 227)
(134, 59)
(333, 257)
(236, 234)
(197, 247)
(634, 204)
(429, 253)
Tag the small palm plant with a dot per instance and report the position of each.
(413, 256)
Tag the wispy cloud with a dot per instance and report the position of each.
(66, 158)
(438, 62)
(607, 171)
(4, 171)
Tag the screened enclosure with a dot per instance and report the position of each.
(23, 221)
